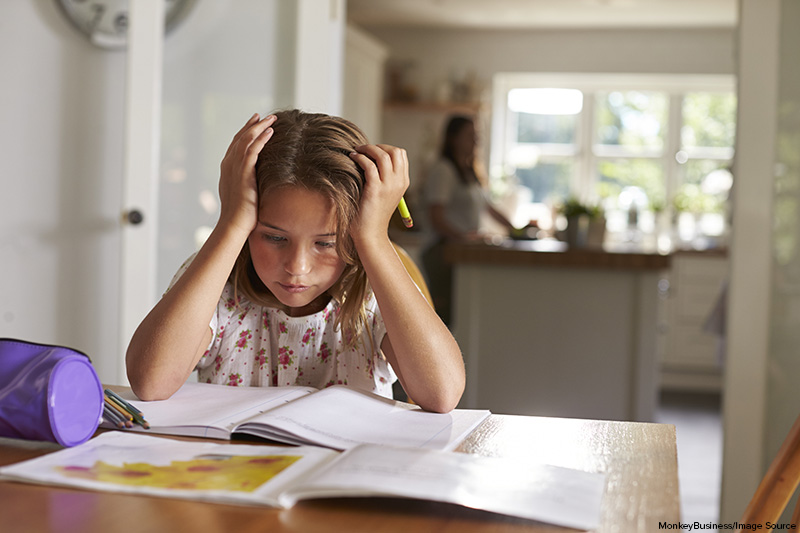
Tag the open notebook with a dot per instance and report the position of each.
(337, 417)
(281, 476)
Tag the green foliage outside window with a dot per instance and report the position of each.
(709, 120)
(633, 119)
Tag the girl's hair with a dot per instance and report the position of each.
(453, 128)
(312, 151)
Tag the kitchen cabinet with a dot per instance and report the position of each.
(689, 291)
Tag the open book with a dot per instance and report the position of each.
(338, 417)
(281, 476)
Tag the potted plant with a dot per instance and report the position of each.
(586, 223)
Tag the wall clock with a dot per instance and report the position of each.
(105, 22)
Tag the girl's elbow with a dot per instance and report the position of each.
(445, 400)
(147, 385)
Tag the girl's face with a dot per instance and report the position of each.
(294, 248)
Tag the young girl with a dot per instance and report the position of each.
(278, 294)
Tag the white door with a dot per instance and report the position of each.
(140, 171)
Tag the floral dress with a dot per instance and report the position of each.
(256, 346)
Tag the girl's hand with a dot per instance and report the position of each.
(237, 183)
(386, 179)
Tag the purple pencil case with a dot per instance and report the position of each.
(49, 393)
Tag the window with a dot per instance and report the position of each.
(653, 151)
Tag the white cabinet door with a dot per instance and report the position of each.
(691, 357)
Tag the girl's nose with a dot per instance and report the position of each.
(297, 261)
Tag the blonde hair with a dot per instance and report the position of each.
(312, 151)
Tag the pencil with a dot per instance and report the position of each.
(136, 415)
(129, 410)
(125, 414)
(108, 410)
(141, 421)
(113, 417)
(124, 403)
(404, 214)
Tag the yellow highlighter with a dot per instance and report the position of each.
(404, 214)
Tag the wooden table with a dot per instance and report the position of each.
(640, 461)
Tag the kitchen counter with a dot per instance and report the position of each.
(549, 253)
(555, 332)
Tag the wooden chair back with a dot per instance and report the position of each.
(414, 271)
(778, 484)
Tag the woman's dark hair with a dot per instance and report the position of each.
(453, 128)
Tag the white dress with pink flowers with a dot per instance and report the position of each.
(256, 346)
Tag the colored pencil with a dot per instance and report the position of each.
(122, 412)
(134, 417)
(120, 400)
(113, 417)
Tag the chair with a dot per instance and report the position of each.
(417, 277)
(778, 484)
(413, 271)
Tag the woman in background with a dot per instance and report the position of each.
(456, 197)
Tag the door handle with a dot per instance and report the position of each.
(134, 217)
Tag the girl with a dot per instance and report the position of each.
(298, 284)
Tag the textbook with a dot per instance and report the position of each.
(280, 476)
(337, 417)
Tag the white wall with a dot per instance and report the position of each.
(60, 182)
(438, 54)
(749, 300)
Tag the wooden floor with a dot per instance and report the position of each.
(698, 422)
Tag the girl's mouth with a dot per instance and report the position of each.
(293, 288)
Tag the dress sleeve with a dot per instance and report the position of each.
(383, 373)
(223, 314)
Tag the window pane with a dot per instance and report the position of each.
(548, 116)
(548, 180)
(709, 120)
(706, 184)
(631, 119)
(617, 174)
(556, 129)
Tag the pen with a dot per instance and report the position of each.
(404, 214)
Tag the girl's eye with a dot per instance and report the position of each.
(325, 244)
(274, 238)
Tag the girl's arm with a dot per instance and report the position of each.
(171, 339)
(418, 345)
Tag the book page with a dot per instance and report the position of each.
(556, 495)
(341, 417)
(156, 466)
(207, 410)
